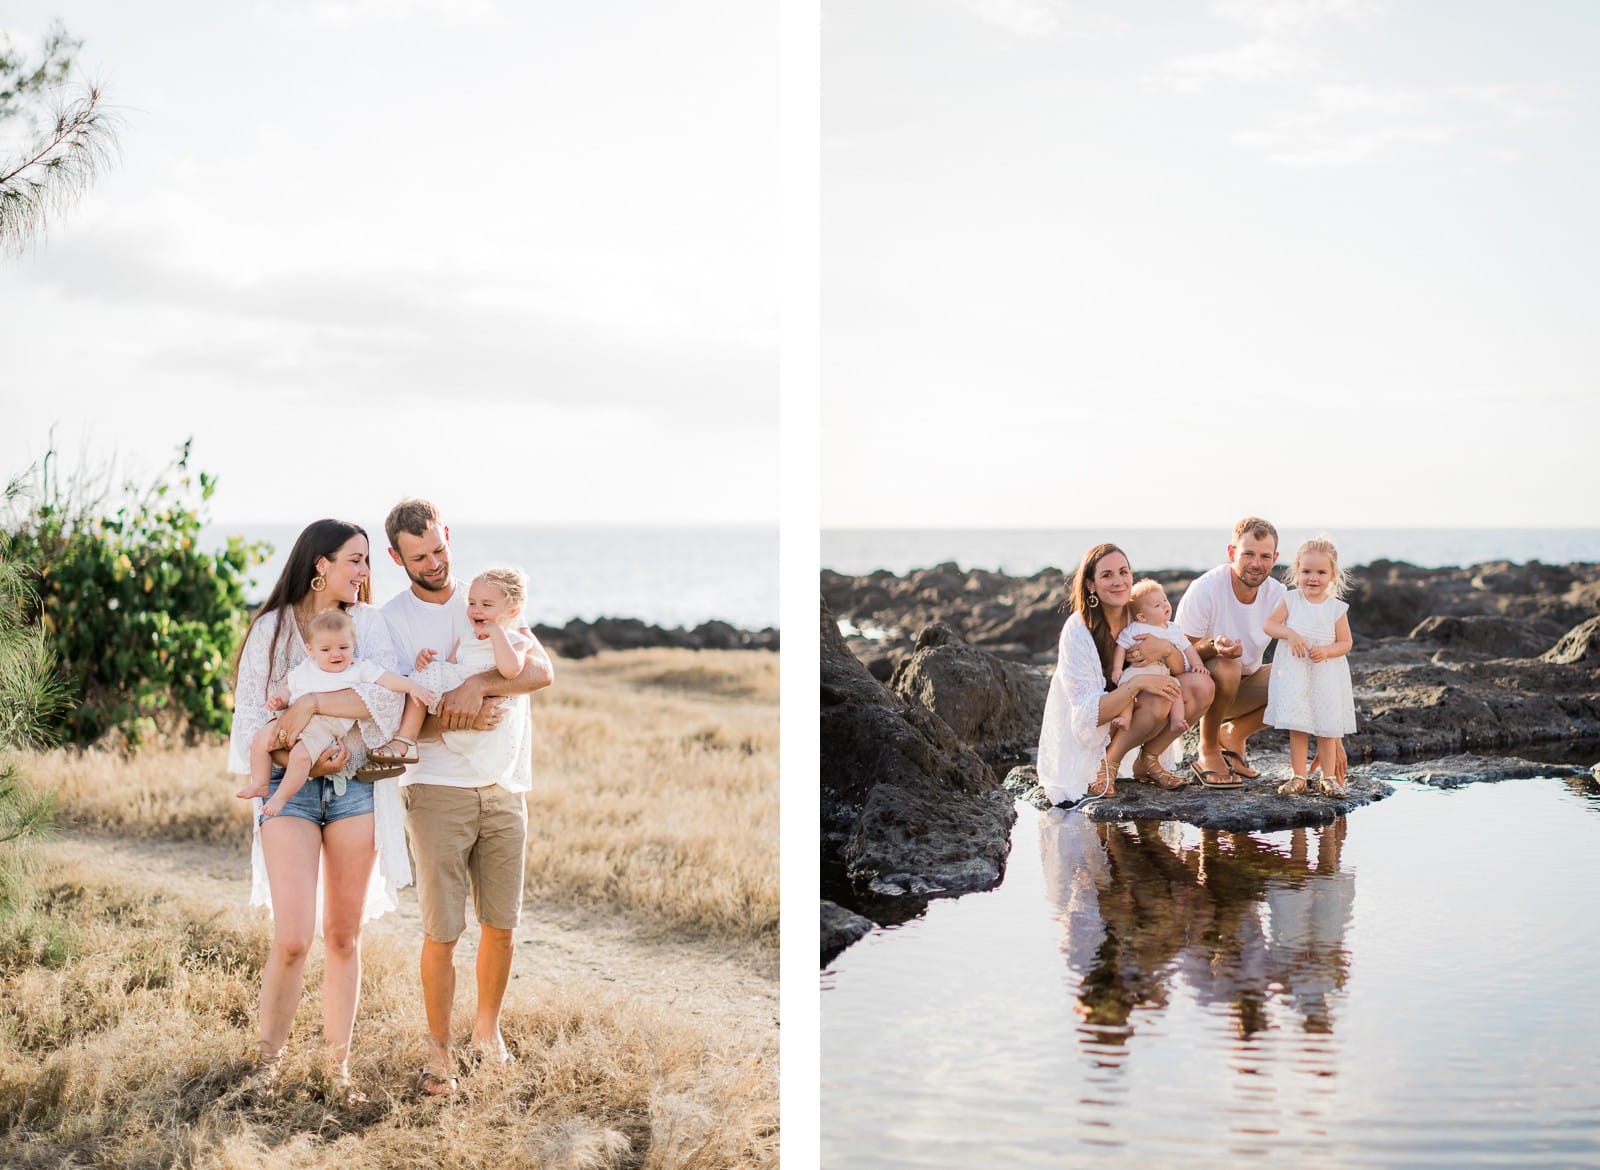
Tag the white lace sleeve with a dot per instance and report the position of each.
(250, 712)
(375, 643)
(1086, 683)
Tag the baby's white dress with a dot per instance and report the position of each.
(491, 753)
(1314, 697)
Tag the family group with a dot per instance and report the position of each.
(1132, 676)
(373, 737)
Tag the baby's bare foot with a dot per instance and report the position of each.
(251, 792)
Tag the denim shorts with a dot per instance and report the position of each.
(315, 802)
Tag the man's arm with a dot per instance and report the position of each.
(463, 707)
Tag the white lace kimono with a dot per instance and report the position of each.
(375, 644)
(1072, 740)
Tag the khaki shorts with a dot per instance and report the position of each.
(461, 839)
(1252, 693)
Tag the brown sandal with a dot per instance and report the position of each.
(1105, 780)
(1155, 772)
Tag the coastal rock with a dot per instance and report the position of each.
(581, 639)
(1495, 636)
(1257, 806)
(1461, 770)
(908, 806)
(840, 928)
(993, 705)
(1580, 644)
(1487, 657)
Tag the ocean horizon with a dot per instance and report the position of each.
(1021, 552)
(664, 576)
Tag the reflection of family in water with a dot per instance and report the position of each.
(1236, 919)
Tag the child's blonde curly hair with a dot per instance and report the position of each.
(1320, 544)
(512, 582)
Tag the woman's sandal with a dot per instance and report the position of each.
(1294, 786)
(262, 1082)
(1237, 766)
(406, 755)
(1148, 769)
(1105, 780)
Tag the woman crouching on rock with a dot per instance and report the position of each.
(1089, 726)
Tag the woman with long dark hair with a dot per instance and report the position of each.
(340, 823)
(1080, 749)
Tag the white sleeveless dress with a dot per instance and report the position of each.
(1314, 697)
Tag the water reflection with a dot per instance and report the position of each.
(1242, 922)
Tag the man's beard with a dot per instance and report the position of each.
(427, 587)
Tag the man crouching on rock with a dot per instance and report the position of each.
(1223, 613)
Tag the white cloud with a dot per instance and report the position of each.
(1252, 62)
(1042, 18)
(336, 13)
(1295, 18)
(1346, 124)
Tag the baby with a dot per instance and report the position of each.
(331, 665)
(1151, 611)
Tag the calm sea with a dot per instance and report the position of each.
(1024, 551)
(666, 576)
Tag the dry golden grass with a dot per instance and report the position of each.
(127, 1006)
(127, 1013)
(655, 791)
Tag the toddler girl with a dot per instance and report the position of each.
(331, 665)
(1309, 690)
(494, 607)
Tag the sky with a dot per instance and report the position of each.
(518, 259)
(1163, 265)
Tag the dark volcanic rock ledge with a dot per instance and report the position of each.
(909, 807)
(1254, 807)
(1487, 658)
(581, 639)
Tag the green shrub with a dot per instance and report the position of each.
(144, 622)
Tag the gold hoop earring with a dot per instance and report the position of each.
(318, 583)
(1094, 601)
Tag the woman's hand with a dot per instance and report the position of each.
(1162, 685)
(293, 719)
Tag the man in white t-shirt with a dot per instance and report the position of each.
(1223, 613)
(466, 835)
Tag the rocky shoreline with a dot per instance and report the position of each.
(945, 670)
(581, 639)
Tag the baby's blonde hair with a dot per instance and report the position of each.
(512, 582)
(1320, 544)
(1141, 592)
(332, 620)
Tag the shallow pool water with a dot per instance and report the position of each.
(1414, 985)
